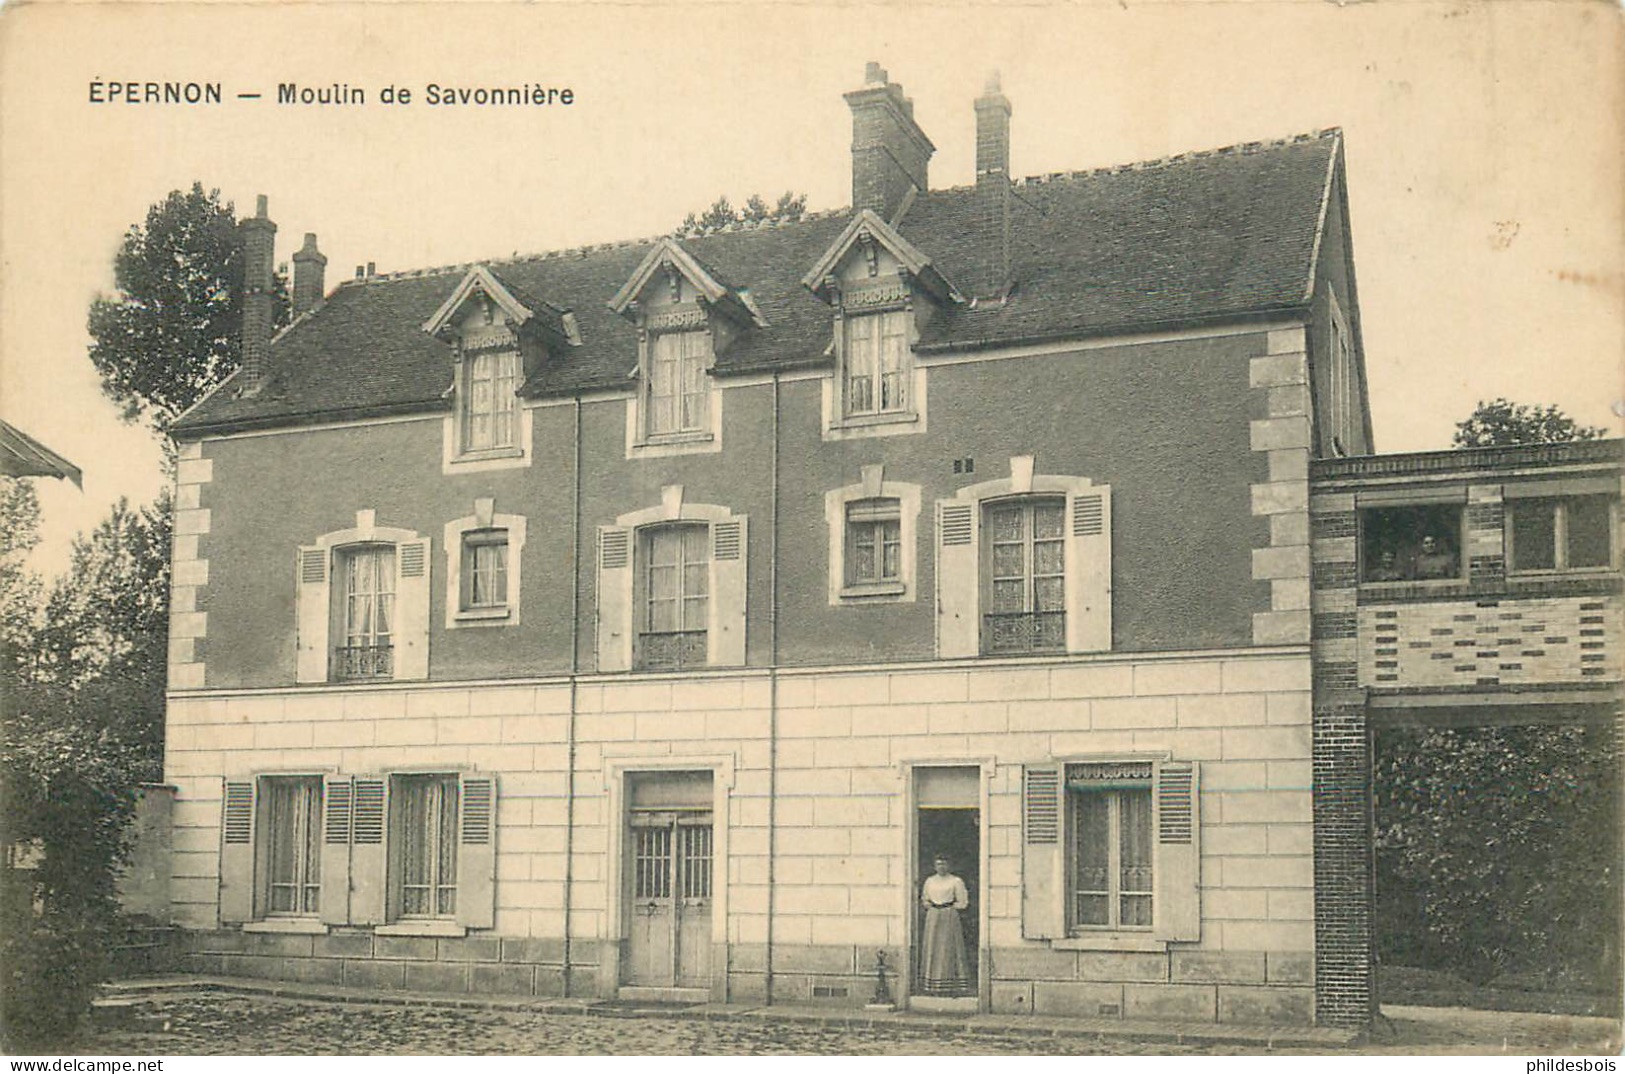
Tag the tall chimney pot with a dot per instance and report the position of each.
(259, 246)
(991, 275)
(890, 153)
(309, 276)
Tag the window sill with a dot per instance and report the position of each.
(484, 616)
(871, 591)
(487, 454)
(302, 926)
(865, 421)
(1110, 941)
(668, 439)
(421, 928)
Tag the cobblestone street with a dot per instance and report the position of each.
(264, 1025)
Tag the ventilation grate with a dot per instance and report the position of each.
(725, 540)
(612, 549)
(956, 524)
(239, 810)
(1043, 805)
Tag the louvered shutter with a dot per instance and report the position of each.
(412, 610)
(337, 821)
(1041, 857)
(369, 804)
(1177, 865)
(1089, 571)
(477, 853)
(614, 598)
(237, 823)
(725, 632)
(311, 587)
(958, 585)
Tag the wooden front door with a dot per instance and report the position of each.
(670, 880)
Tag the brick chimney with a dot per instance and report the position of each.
(890, 154)
(991, 278)
(259, 243)
(309, 276)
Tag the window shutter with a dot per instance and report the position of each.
(1177, 912)
(614, 598)
(476, 853)
(237, 852)
(412, 610)
(337, 819)
(1089, 571)
(725, 632)
(1041, 877)
(368, 804)
(311, 586)
(958, 584)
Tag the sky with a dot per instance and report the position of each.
(1486, 166)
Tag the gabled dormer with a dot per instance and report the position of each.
(498, 334)
(685, 315)
(883, 291)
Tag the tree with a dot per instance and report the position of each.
(173, 330)
(721, 212)
(1499, 422)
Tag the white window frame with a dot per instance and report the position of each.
(306, 865)
(457, 455)
(1560, 535)
(501, 381)
(456, 535)
(837, 503)
(1113, 796)
(440, 835)
(705, 436)
(840, 419)
(644, 599)
(1027, 505)
(317, 589)
(690, 364)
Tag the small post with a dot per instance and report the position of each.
(882, 1000)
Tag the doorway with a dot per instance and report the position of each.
(948, 823)
(669, 880)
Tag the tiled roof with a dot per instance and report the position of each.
(1197, 237)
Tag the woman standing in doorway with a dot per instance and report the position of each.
(945, 969)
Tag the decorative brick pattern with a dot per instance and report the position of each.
(1490, 642)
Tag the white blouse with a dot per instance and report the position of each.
(942, 891)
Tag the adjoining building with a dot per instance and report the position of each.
(641, 620)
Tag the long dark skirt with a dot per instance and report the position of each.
(945, 970)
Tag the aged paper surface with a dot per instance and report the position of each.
(1486, 166)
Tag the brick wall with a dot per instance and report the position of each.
(1490, 642)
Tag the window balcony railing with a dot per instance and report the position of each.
(1023, 632)
(671, 650)
(353, 662)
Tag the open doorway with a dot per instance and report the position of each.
(948, 825)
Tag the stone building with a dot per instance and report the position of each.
(641, 620)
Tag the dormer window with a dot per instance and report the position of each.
(686, 315)
(495, 334)
(878, 364)
(489, 401)
(677, 387)
(882, 291)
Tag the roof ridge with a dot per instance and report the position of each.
(576, 253)
(1234, 149)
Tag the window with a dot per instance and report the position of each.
(676, 386)
(1556, 534)
(425, 833)
(1413, 543)
(675, 609)
(293, 846)
(485, 570)
(490, 405)
(1111, 846)
(1024, 564)
(874, 544)
(878, 364)
(366, 613)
